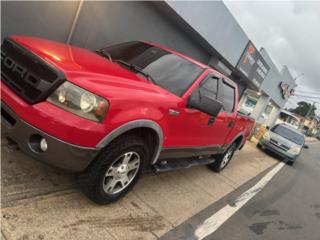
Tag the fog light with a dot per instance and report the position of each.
(43, 145)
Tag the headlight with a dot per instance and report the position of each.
(295, 150)
(266, 135)
(80, 102)
(87, 102)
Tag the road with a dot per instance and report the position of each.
(38, 202)
(288, 207)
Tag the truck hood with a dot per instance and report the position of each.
(87, 69)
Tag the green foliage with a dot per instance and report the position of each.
(304, 109)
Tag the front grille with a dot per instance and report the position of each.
(29, 76)
(281, 146)
(284, 147)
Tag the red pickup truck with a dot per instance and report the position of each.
(111, 113)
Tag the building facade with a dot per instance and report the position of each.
(215, 39)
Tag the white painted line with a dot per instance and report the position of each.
(211, 224)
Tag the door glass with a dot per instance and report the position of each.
(228, 98)
(210, 87)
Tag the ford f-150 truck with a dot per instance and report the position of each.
(109, 114)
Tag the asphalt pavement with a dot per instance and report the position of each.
(38, 202)
(287, 208)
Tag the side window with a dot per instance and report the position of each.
(210, 86)
(228, 97)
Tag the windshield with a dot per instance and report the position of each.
(288, 134)
(168, 70)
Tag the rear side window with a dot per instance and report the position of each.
(210, 87)
(228, 97)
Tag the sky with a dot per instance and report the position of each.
(290, 32)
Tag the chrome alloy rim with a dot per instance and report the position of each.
(121, 172)
(226, 158)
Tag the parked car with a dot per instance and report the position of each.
(109, 114)
(285, 141)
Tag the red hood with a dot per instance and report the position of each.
(87, 69)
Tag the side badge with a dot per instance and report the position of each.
(173, 112)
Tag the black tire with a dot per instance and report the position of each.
(290, 162)
(259, 146)
(92, 181)
(218, 165)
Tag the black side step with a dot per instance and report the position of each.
(170, 165)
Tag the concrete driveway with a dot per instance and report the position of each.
(40, 203)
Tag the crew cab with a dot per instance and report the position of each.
(109, 114)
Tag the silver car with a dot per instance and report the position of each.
(285, 141)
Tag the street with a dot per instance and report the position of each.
(160, 120)
(287, 208)
(39, 202)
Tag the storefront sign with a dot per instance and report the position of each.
(252, 65)
(285, 90)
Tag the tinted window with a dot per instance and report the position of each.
(228, 97)
(288, 134)
(210, 87)
(169, 71)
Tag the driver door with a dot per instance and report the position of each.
(194, 129)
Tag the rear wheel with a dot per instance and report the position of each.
(222, 160)
(115, 171)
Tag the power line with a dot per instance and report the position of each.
(307, 96)
(307, 99)
(307, 92)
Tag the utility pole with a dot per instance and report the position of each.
(308, 114)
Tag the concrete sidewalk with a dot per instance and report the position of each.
(40, 203)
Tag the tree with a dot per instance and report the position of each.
(304, 109)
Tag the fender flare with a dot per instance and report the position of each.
(145, 123)
(236, 137)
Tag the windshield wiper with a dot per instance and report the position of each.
(137, 69)
(104, 54)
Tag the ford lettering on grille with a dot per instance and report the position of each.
(29, 76)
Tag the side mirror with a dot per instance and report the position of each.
(204, 103)
(305, 146)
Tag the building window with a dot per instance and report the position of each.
(267, 111)
(248, 106)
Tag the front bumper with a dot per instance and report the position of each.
(284, 154)
(59, 153)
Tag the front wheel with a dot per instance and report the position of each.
(115, 171)
(290, 162)
(222, 160)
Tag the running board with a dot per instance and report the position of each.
(170, 165)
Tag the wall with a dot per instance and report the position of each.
(50, 19)
(271, 83)
(114, 22)
(99, 24)
(213, 21)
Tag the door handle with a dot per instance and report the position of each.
(211, 120)
(230, 123)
